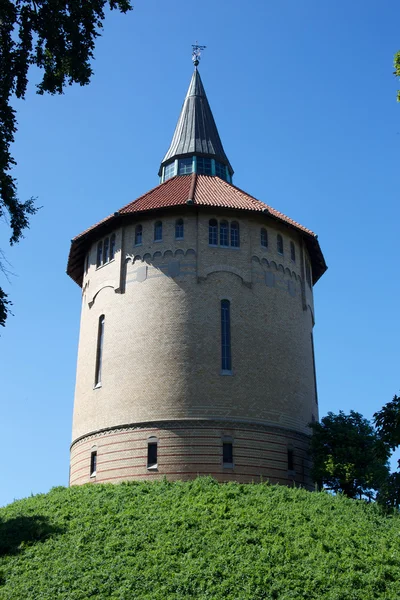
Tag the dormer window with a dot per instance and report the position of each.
(185, 166)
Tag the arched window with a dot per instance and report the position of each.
(279, 243)
(264, 238)
(226, 360)
(112, 247)
(157, 231)
(235, 237)
(138, 235)
(224, 233)
(213, 232)
(106, 250)
(99, 256)
(99, 351)
(292, 252)
(179, 229)
(152, 447)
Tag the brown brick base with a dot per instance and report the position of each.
(187, 449)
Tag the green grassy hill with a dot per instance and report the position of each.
(161, 541)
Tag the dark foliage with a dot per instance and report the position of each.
(348, 455)
(58, 36)
(21, 531)
(387, 422)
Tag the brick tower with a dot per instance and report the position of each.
(196, 352)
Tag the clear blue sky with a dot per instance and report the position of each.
(305, 102)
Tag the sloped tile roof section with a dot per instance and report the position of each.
(202, 191)
(196, 131)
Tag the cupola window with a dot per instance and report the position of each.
(169, 171)
(264, 238)
(279, 243)
(204, 166)
(158, 231)
(138, 235)
(224, 233)
(220, 170)
(235, 237)
(185, 166)
(179, 229)
(213, 232)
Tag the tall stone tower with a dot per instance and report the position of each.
(196, 351)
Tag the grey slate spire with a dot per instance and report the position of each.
(196, 132)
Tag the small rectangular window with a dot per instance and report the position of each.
(151, 455)
(203, 166)
(290, 459)
(227, 453)
(93, 464)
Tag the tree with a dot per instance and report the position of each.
(58, 36)
(387, 422)
(348, 455)
(397, 70)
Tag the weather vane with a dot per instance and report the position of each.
(196, 53)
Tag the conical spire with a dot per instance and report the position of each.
(196, 133)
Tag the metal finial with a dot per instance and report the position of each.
(196, 53)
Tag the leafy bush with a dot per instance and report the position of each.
(164, 541)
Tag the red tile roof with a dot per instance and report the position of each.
(200, 190)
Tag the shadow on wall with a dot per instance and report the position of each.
(16, 534)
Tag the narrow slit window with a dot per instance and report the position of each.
(264, 238)
(158, 231)
(213, 232)
(314, 370)
(226, 360)
(224, 233)
(279, 243)
(308, 273)
(235, 236)
(138, 235)
(112, 247)
(99, 255)
(152, 454)
(227, 453)
(292, 252)
(106, 250)
(290, 459)
(87, 264)
(99, 352)
(93, 463)
(179, 229)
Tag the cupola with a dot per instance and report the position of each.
(196, 146)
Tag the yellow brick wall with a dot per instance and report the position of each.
(161, 355)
